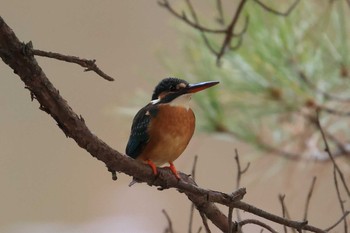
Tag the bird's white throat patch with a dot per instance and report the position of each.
(181, 101)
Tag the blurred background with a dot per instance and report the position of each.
(49, 184)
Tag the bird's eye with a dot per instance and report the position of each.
(172, 88)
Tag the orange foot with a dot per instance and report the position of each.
(173, 170)
(153, 166)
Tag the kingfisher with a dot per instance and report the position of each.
(161, 130)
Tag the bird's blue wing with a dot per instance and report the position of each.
(139, 131)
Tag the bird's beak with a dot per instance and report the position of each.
(193, 88)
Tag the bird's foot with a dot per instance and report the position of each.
(174, 171)
(153, 166)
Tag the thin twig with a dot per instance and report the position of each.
(229, 219)
(309, 197)
(336, 170)
(269, 9)
(337, 222)
(184, 18)
(277, 219)
(281, 199)
(285, 212)
(341, 202)
(204, 37)
(244, 28)
(230, 30)
(327, 149)
(256, 222)
(205, 222)
(341, 148)
(193, 174)
(240, 172)
(221, 18)
(90, 65)
(169, 228)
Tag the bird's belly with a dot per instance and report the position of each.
(170, 132)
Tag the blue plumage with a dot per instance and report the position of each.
(139, 135)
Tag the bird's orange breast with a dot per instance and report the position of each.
(169, 134)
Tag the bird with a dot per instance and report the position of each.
(161, 130)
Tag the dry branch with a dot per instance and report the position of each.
(90, 65)
(229, 30)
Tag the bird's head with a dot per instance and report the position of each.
(176, 91)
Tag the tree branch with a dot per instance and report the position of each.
(269, 9)
(169, 228)
(229, 31)
(184, 18)
(256, 222)
(309, 198)
(90, 65)
(336, 170)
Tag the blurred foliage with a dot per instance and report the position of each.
(272, 84)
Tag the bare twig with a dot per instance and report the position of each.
(256, 222)
(336, 170)
(281, 199)
(229, 219)
(341, 202)
(341, 147)
(90, 65)
(169, 228)
(193, 174)
(229, 31)
(277, 219)
(240, 172)
(184, 18)
(269, 9)
(327, 149)
(309, 197)
(205, 222)
(221, 18)
(337, 222)
(204, 37)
